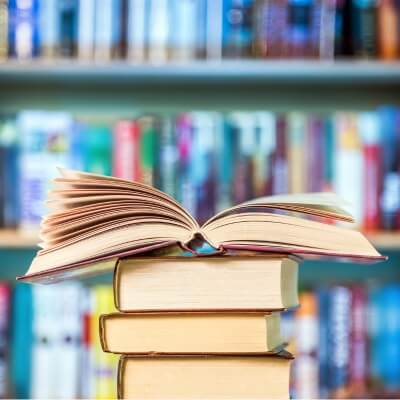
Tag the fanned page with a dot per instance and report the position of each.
(94, 217)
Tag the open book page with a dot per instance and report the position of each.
(324, 205)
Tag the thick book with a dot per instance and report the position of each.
(188, 333)
(204, 377)
(206, 283)
(96, 217)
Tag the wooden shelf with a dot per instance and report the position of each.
(236, 72)
(10, 239)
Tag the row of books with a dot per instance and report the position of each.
(161, 30)
(209, 161)
(50, 342)
(347, 342)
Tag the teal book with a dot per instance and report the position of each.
(21, 342)
(98, 149)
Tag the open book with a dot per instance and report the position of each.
(96, 217)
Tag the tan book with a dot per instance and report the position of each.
(204, 377)
(188, 333)
(243, 283)
(95, 217)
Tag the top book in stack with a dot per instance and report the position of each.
(96, 218)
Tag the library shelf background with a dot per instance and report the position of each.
(125, 88)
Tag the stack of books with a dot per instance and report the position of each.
(201, 322)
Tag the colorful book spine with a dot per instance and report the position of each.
(23, 28)
(314, 150)
(388, 20)
(159, 34)
(137, 37)
(214, 29)
(68, 21)
(324, 350)
(148, 142)
(358, 343)
(126, 157)
(237, 24)
(280, 174)
(369, 128)
(364, 20)
(339, 340)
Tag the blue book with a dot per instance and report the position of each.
(23, 28)
(22, 337)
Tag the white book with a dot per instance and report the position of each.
(159, 30)
(46, 330)
(86, 28)
(68, 344)
(137, 29)
(106, 28)
(184, 19)
(349, 163)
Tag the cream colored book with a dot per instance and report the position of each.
(190, 333)
(216, 283)
(207, 377)
(94, 217)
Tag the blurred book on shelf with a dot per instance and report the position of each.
(208, 160)
(346, 342)
(159, 31)
(346, 339)
(54, 342)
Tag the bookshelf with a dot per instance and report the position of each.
(122, 88)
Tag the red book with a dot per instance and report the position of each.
(369, 127)
(126, 157)
(358, 342)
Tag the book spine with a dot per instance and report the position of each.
(159, 34)
(86, 29)
(280, 165)
(214, 29)
(326, 48)
(185, 186)
(23, 29)
(183, 38)
(328, 152)
(68, 20)
(49, 28)
(148, 138)
(138, 13)
(125, 150)
(10, 173)
(358, 342)
(349, 158)
(324, 299)
(306, 364)
(388, 18)
(339, 339)
(296, 154)
(104, 29)
(299, 29)
(168, 157)
(368, 126)
(264, 148)
(277, 34)
(3, 29)
(237, 28)
(5, 309)
(98, 149)
(364, 28)
(389, 197)
(260, 21)
(314, 160)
